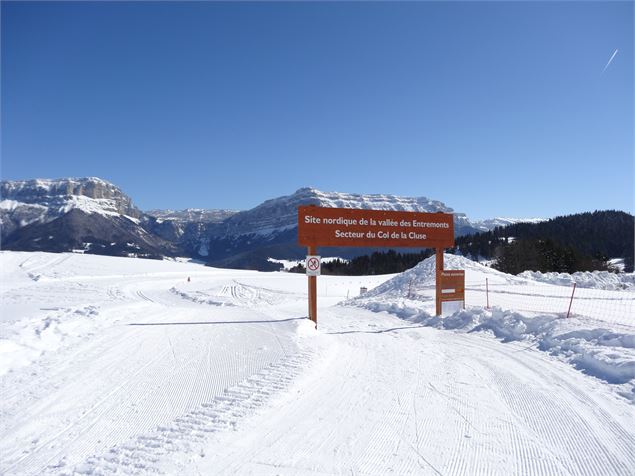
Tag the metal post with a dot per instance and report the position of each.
(571, 302)
(312, 250)
(487, 292)
(439, 268)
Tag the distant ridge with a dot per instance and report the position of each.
(93, 215)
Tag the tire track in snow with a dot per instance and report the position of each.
(333, 426)
(144, 297)
(49, 264)
(144, 453)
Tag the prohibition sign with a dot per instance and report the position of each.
(313, 264)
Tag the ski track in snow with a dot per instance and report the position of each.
(479, 407)
(148, 374)
(221, 375)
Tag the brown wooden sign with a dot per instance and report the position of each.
(319, 226)
(451, 285)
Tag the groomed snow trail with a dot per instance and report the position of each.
(161, 361)
(393, 398)
(127, 368)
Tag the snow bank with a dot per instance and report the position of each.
(605, 353)
(202, 297)
(585, 279)
(602, 353)
(24, 341)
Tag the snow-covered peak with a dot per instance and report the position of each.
(491, 223)
(365, 201)
(42, 200)
(25, 190)
(282, 213)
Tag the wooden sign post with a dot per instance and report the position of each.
(342, 227)
(312, 250)
(438, 268)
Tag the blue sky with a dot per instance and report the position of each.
(496, 109)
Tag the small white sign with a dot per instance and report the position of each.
(313, 265)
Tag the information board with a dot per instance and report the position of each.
(318, 226)
(451, 284)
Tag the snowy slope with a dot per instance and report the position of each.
(122, 366)
(585, 279)
(192, 215)
(491, 223)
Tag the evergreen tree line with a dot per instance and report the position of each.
(580, 242)
(545, 256)
(385, 262)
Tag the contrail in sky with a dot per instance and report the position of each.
(610, 60)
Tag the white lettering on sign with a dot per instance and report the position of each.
(333, 221)
(348, 234)
(308, 219)
(423, 224)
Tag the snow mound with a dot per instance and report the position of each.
(25, 341)
(585, 279)
(424, 274)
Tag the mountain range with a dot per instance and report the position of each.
(92, 215)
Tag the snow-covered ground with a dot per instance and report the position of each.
(116, 365)
(288, 264)
(586, 279)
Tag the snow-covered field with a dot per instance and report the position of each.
(116, 365)
(586, 279)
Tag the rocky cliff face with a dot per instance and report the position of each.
(59, 193)
(26, 202)
(84, 214)
(278, 214)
